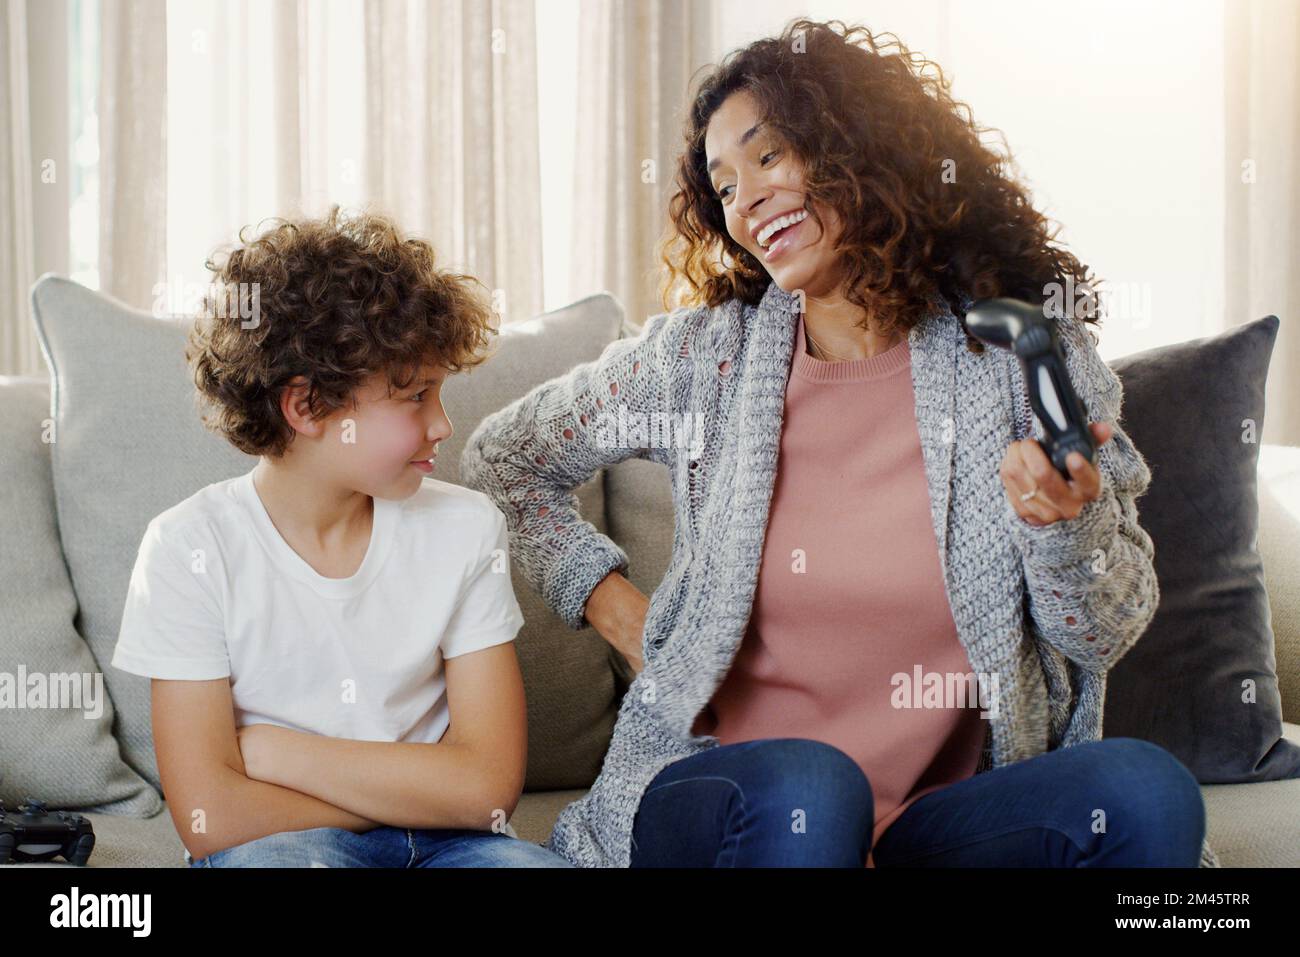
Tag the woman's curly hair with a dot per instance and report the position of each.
(334, 300)
(928, 211)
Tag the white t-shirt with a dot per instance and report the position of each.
(216, 592)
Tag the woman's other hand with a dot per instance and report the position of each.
(616, 609)
(1026, 466)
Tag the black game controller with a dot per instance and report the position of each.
(30, 834)
(1022, 328)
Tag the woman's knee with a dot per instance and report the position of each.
(1154, 793)
(1138, 766)
(764, 802)
(803, 767)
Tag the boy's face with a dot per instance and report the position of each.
(383, 446)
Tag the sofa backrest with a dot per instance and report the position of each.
(128, 444)
(1279, 548)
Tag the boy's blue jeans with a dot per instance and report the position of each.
(795, 802)
(384, 847)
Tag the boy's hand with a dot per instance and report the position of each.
(266, 748)
(257, 745)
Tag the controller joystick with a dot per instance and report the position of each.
(1022, 328)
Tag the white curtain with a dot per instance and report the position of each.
(218, 113)
(19, 354)
(452, 135)
(424, 111)
(1262, 215)
(133, 148)
(635, 65)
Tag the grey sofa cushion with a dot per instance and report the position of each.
(130, 444)
(569, 676)
(55, 748)
(641, 519)
(1201, 681)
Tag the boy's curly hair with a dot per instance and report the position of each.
(334, 300)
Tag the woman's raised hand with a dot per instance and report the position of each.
(1026, 466)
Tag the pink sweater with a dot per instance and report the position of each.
(850, 591)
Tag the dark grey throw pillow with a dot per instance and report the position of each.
(1201, 681)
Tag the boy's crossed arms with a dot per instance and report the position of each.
(226, 786)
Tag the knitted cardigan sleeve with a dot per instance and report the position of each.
(529, 456)
(1091, 580)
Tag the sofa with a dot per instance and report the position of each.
(111, 437)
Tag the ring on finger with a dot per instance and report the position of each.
(1038, 506)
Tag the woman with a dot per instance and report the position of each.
(854, 546)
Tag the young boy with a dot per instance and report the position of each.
(330, 635)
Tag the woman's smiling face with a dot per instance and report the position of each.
(759, 180)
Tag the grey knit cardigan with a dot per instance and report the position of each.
(1089, 582)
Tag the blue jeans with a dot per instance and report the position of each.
(384, 847)
(795, 802)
